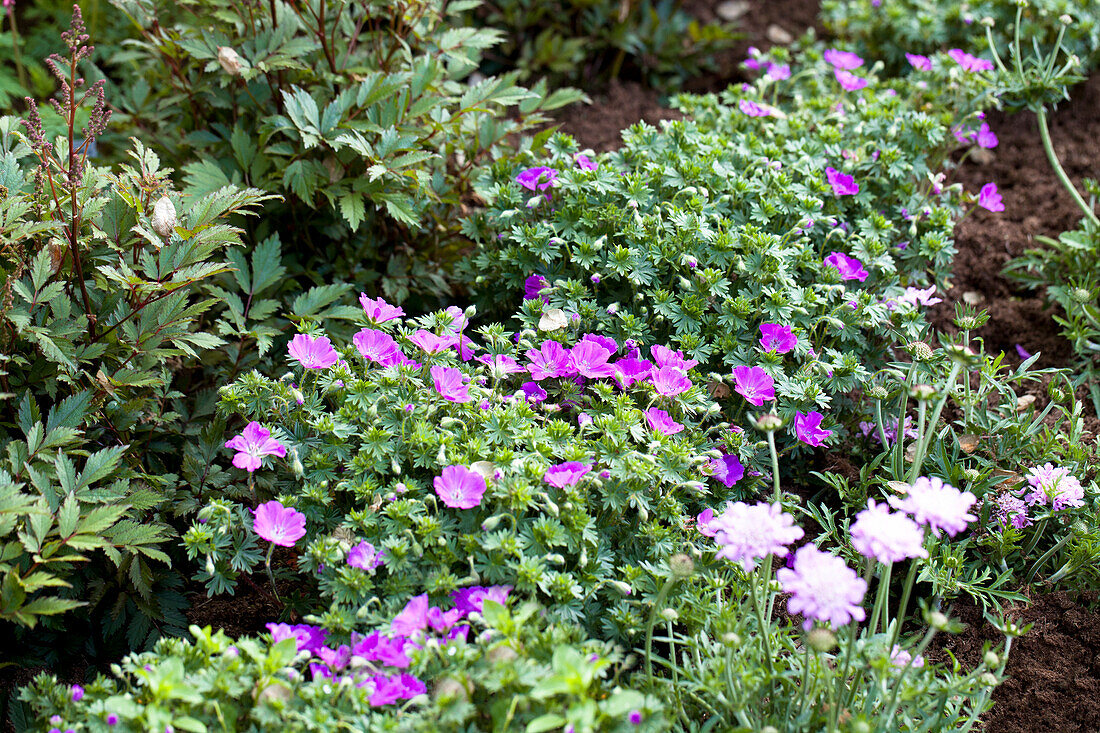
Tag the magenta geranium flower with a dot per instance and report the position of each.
(605, 341)
(501, 365)
(842, 59)
(378, 310)
(1054, 486)
(777, 338)
(377, 346)
(531, 287)
(727, 469)
(450, 383)
(989, 198)
(669, 382)
(430, 343)
(566, 474)
(968, 62)
(662, 422)
(986, 138)
(754, 384)
(472, 600)
(533, 392)
(842, 183)
(630, 371)
(748, 533)
(412, 618)
(886, 536)
(823, 588)
(252, 445)
(364, 556)
(306, 637)
(589, 359)
(459, 487)
(752, 109)
(808, 428)
(538, 179)
(849, 267)
(849, 81)
(585, 163)
(666, 357)
(918, 62)
(703, 523)
(278, 524)
(938, 505)
(312, 353)
(549, 360)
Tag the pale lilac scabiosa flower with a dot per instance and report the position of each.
(1054, 486)
(459, 487)
(566, 474)
(777, 338)
(968, 62)
(378, 347)
(915, 296)
(252, 445)
(278, 524)
(450, 384)
(849, 267)
(549, 360)
(986, 138)
(312, 353)
(727, 469)
(378, 310)
(778, 72)
(823, 588)
(886, 536)
(918, 62)
(669, 382)
(430, 343)
(585, 163)
(901, 658)
(842, 183)
(989, 198)
(666, 357)
(753, 109)
(662, 422)
(589, 359)
(842, 59)
(364, 556)
(538, 179)
(849, 81)
(1009, 509)
(749, 533)
(936, 504)
(754, 384)
(808, 428)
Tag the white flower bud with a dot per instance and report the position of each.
(164, 216)
(230, 60)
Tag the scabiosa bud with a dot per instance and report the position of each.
(769, 423)
(164, 217)
(821, 640)
(680, 565)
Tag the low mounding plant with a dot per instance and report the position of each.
(367, 117)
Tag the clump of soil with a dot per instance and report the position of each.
(1053, 670)
(1035, 204)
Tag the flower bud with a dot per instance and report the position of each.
(681, 566)
(991, 659)
(731, 639)
(769, 423)
(620, 586)
(669, 614)
(988, 22)
(452, 689)
(920, 350)
(937, 620)
(230, 60)
(821, 640)
(988, 678)
(490, 524)
(1064, 19)
(922, 392)
(861, 726)
(164, 216)
(877, 392)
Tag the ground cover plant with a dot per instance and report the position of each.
(676, 447)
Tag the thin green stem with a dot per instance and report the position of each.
(881, 606)
(661, 595)
(755, 596)
(775, 465)
(903, 606)
(1059, 171)
(892, 705)
(271, 575)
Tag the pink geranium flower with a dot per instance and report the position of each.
(662, 422)
(459, 487)
(754, 384)
(364, 556)
(312, 353)
(669, 382)
(849, 81)
(605, 341)
(727, 469)
(842, 183)
(986, 138)
(378, 347)
(378, 310)
(278, 524)
(549, 360)
(566, 474)
(752, 109)
(778, 72)
(849, 267)
(666, 357)
(916, 296)
(533, 392)
(252, 445)
(918, 62)
(989, 198)
(842, 59)
(968, 62)
(430, 343)
(412, 618)
(630, 371)
(472, 600)
(585, 163)
(501, 365)
(538, 179)
(777, 338)
(531, 287)
(450, 383)
(808, 428)
(589, 359)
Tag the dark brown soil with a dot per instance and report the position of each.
(1053, 670)
(599, 125)
(1035, 204)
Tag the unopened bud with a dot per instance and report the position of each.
(821, 640)
(681, 566)
(937, 620)
(1064, 19)
(991, 659)
(1081, 295)
(971, 474)
(877, 392)
(490, 524)
(922, 392)
(230, 60)
(920, 350)
(988, 678)
(769, 423)
(669, 614)
(164, 216)
(988, 22)
(731, 639)
(620, 586)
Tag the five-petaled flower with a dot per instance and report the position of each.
(754, 384)
(278, 524)
(989, 198)
(459, 487)
(312, 353)
(776, 337)
(252, 445)
(808, 428)
(849, 267)
(842, 183)
(566, 474)
(450, 384)
(378, 310)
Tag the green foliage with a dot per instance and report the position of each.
(578, 41)
(367, 117)
(892, 29)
